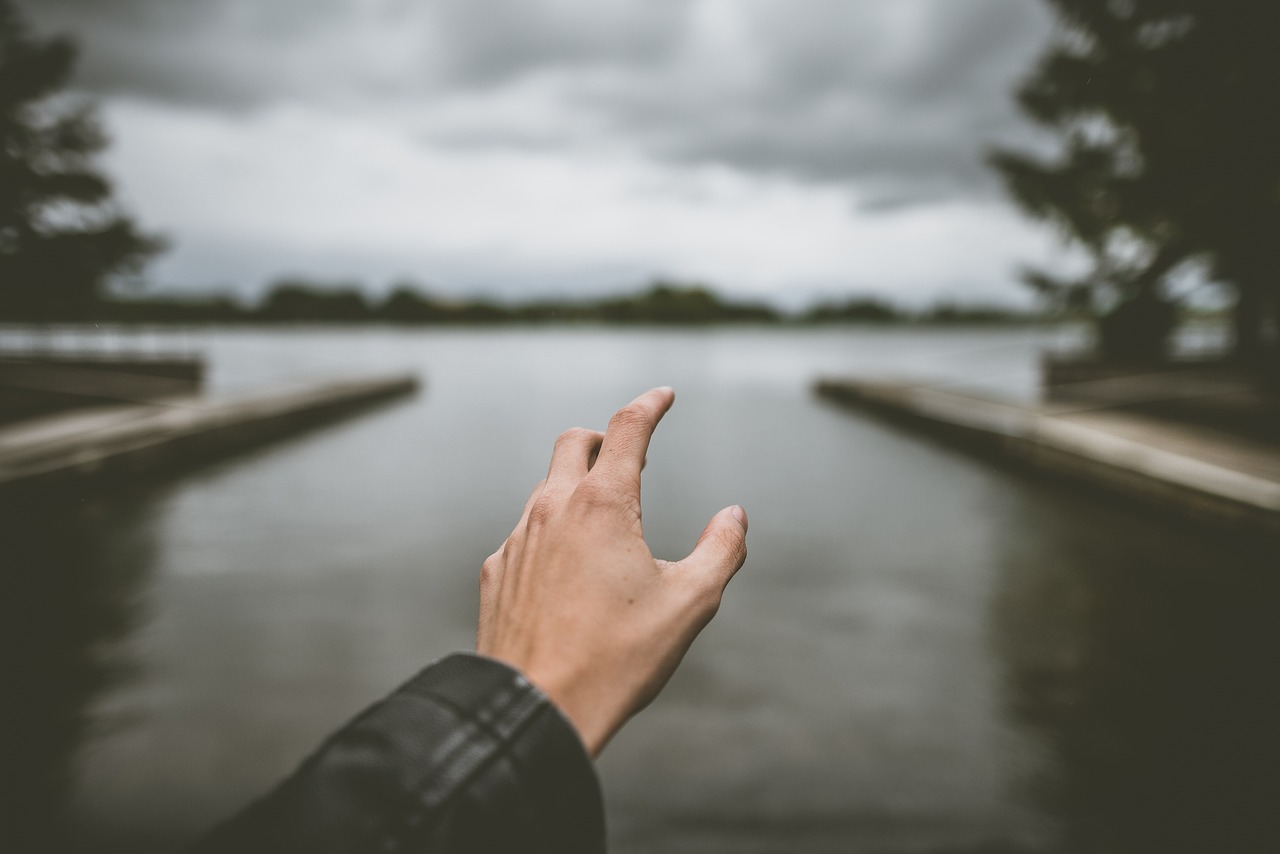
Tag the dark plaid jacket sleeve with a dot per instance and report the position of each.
(467, 756)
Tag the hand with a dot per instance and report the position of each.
(575, 600)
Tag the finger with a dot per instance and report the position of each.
(574, 454)
(528, 505)
(513, 547)
(626, 441)
(490, 585)
(721, 548)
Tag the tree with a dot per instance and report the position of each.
(856, 310)
(1168, 115)
(296, 300)
(677, 303)
(407, 304)
(61, 235)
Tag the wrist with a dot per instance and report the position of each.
(593, 729)
(589, 716)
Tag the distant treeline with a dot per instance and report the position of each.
(663, 303)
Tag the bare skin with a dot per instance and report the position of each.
(575, 600)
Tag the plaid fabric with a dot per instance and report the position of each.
(467, 756)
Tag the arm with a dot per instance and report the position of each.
(580, 627)
(467, 756)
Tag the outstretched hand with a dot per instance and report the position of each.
(575, 600)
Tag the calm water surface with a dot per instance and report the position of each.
(924, 653)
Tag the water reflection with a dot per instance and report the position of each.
(1145, 658)
(75, 567)
(926, 653)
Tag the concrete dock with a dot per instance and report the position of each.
(1193, 471)
(33, 384)
(127, 440)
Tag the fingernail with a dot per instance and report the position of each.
(740, 515)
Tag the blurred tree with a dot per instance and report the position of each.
(855, 310)
(1168, 114)
(408, 304)
(674, 303)
(61, 236)
(293, 300)
(947, 312)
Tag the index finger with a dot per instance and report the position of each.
(627, 438)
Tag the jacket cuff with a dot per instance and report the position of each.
(518, 725)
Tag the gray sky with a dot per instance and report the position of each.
(788, 149)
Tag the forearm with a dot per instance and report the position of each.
(466, 756)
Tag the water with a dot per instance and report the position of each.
(924, 653)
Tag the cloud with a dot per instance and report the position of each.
(241, 54)
(901, 97)
(497, 41)
(776, 147)
(898, 97)
(299, 190)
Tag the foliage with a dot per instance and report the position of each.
(295, 300)
(669, 303)
(661, 304)
(60, 234)
(1166, 112)
(949, 313)
(856, 310)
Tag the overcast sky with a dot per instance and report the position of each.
(786, 149)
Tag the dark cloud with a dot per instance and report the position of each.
(902, 104)
(896, 98)
(225, 54)
(496, 41)
(237, 53)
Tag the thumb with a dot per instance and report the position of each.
(722, 546)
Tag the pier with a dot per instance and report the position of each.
(132, 439)
(38, 384)
(1192, 471)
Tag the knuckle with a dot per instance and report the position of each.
(489, 570)
(612, 492)
(731, 544)
(533, 496)
(593, 493)
(707, 595)
(711, 608)
(573, 436)
(630, 419)
(541, 511)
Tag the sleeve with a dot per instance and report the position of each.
(467, 756)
